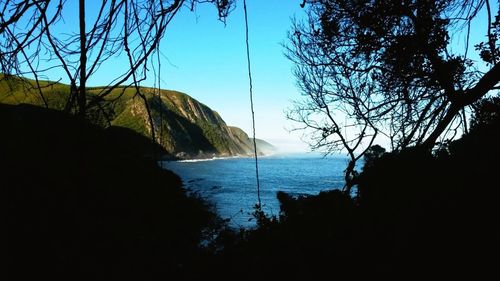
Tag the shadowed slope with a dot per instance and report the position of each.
(80, 204)
(185, 127)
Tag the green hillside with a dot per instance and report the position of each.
(184, 127)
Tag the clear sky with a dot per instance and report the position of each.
(207, 60)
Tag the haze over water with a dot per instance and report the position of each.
(230, 183)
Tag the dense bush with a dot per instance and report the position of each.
(80, 205)
(417, 214)
(84, 203)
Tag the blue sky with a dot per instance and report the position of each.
(206, 59)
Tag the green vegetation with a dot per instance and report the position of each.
(16, 90)
(215, 136)
(184, 127)
(127, 119)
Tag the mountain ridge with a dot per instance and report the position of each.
(184, 127)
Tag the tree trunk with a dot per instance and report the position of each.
(441, 126)
(82, 99)
(483, 86)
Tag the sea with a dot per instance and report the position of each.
(230, 184)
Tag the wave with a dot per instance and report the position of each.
(209, 159)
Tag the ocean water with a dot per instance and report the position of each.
(230, 183)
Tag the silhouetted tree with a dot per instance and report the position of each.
(32, 41)
(373, 153)
(486, 111)
(371, 68)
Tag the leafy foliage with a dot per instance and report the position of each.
(387, 68)
(486, 111)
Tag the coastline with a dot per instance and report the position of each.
(184, 157)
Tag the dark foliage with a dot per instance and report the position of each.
(373, 153)
(417, 215)
(310, 237)
(486, 111)
(372, 68)
(107, 214)
(82, 203)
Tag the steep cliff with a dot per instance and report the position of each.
(184, 127)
